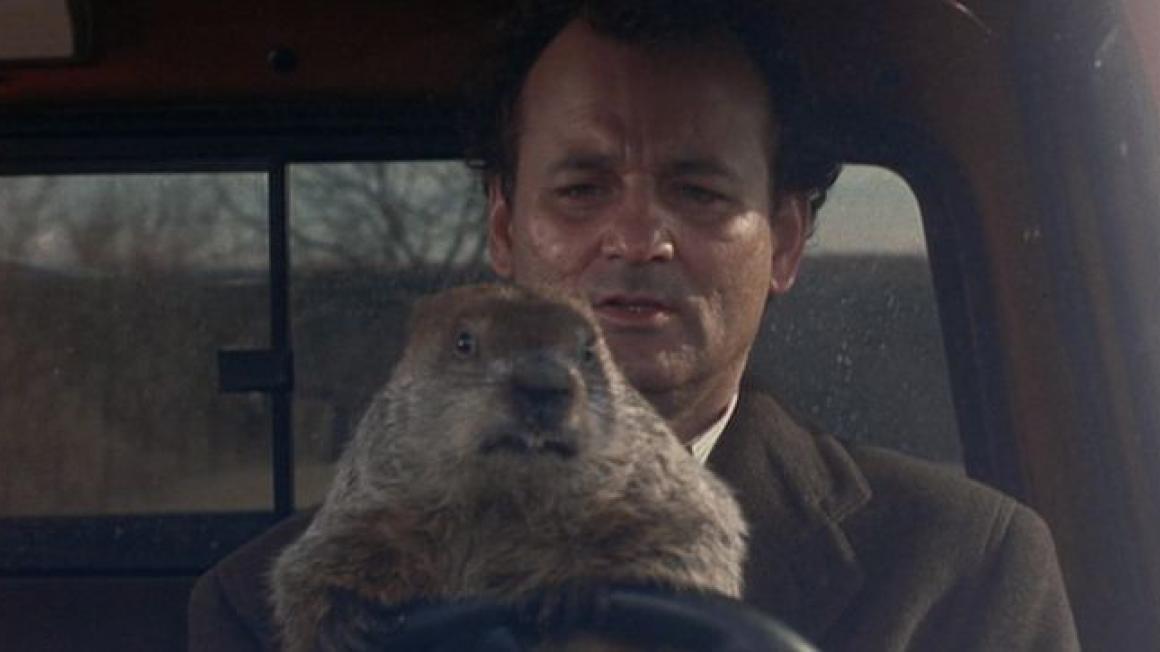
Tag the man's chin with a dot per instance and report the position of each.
(650, 377)
(653, 363)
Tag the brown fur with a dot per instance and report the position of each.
(419, 510)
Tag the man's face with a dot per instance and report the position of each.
(643, 184)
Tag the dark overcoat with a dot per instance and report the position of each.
(856, 547)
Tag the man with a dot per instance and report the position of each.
(654, 160)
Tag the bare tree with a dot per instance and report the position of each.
(387, 216)
(161, 222)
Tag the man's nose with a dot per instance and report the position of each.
(639, 229)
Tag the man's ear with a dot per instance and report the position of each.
(499, 232)
(792, 218)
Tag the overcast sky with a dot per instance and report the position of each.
(870, 210)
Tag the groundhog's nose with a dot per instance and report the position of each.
(541, 390)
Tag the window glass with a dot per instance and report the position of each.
(366, 239)
(856, 347)
(116, 292)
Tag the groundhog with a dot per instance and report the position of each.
(505, 455)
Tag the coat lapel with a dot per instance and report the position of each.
(795, 488)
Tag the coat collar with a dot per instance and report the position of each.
(795, 489)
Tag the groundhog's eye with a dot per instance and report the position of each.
(465, 344)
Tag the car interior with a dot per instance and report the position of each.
(210, 212)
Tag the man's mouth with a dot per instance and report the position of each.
(633, 311)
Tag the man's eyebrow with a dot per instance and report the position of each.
(693, 165)
(583, 162)
(701, 166)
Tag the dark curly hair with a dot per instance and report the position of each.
(803, 160)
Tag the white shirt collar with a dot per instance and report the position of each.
(703, 444)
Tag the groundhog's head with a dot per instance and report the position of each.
(500, 383)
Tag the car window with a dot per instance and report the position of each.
(856, 347)
(116, 292)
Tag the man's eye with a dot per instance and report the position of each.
(701, 194)
(581, 191)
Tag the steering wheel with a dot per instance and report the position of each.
(635, 616)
